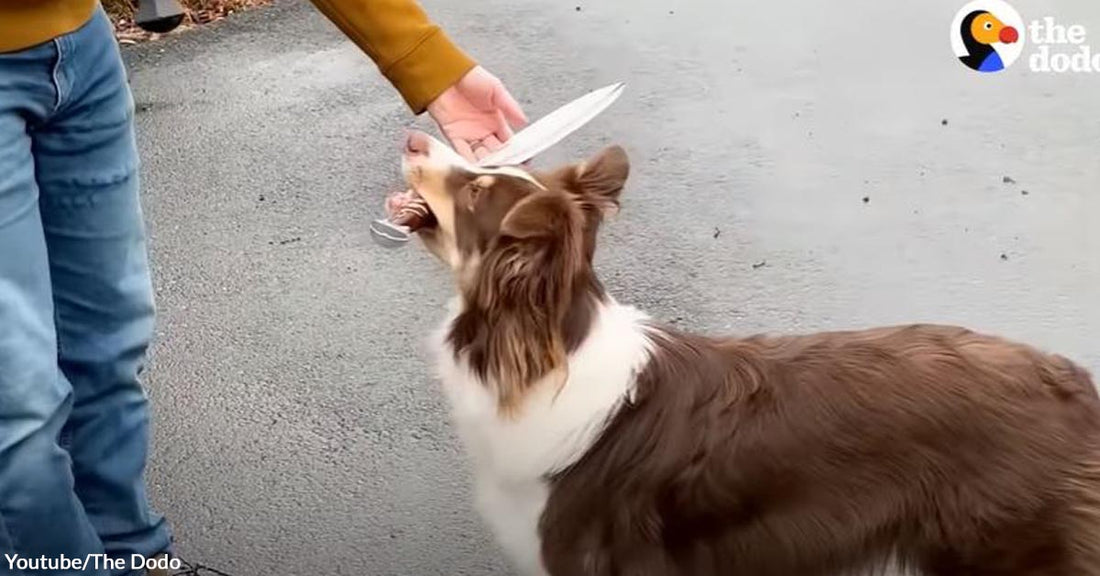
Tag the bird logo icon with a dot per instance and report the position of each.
(986, 35)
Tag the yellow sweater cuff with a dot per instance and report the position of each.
(430, 67)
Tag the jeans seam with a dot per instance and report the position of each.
(64, 435)
(56, 73)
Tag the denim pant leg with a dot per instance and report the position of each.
(75, 305)
(87, 172)
(40, 514)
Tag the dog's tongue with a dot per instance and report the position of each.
(408, 209)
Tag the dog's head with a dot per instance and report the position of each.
(486, 215)
(521, 245)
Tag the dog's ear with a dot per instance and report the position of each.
(538, 251)
(541, 215)
(525, 282)
(600, 179)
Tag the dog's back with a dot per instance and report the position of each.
(602, 445)
(947, 451)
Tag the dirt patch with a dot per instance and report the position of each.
(197, 13)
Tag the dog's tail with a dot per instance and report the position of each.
(1082, 529)
(1070, 378)
(1084, 485)
(1081, 487)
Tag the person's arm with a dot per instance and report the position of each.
(412, 52)
(471, 106)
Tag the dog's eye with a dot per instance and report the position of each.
(474, 190)
(478, 186)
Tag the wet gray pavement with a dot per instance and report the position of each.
(797, 166)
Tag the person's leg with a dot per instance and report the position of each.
(87, 172)
(40, 514)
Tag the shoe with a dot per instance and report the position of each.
(184, 569)
(159, 571)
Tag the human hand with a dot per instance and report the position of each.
(477, 114)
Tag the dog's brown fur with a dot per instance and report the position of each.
(949, 452)
(956, 453)
(533, 295)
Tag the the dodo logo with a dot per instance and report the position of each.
(987, 35)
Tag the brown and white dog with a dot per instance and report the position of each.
(605, 443)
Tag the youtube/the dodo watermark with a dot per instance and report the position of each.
(90, 562)
(1061, 48)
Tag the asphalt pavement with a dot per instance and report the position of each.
(797, 166)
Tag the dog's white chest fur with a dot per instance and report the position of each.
(554, 426)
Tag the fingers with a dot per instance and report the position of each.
(509, 107)
(464, 149)
(487, 146)
(476, 150)
(502, 132)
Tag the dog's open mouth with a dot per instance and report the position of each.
(409, 209)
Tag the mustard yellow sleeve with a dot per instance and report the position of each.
(414, 54)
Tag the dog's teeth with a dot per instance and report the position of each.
(419, 209)
(413, 215)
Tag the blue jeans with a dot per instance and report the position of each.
(76, 306)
